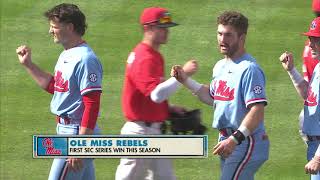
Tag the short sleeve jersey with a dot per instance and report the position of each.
(235, 85)
(77, 72)
(311, 123)
(144, 71)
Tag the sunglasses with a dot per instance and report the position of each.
(165, 19)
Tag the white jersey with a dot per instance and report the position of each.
(234, 86)
(77, 72)
(311, 123)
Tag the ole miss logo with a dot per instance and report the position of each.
(60, 84)
(312, 98)
(47, 143)
(222, 92)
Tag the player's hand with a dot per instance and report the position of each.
(313, 166)
(190, 67)
(286, 60)
(24, 55)
(75, 164)
(178, 73)
(224, 148)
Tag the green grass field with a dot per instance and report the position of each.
(113, 31)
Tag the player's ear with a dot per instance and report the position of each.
(243, 36)
(70, 27)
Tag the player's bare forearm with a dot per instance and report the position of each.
(24, 55)
(300, 84)
(200, 90)
(254, 116)
(42, 78)
(203, 95)
(302, 89)
(251, 122)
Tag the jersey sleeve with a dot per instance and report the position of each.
(212, 85)
(253, 85)
(89, 75)
(146, 75)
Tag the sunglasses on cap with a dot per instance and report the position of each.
(163, 22)
(165, 19)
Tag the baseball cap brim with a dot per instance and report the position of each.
(312, 34)
(167, 25)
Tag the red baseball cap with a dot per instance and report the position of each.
(316, 5)
(157, 16)
(314, 29)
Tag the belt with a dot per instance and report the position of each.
(63, 120)
(226, 132)
(313, 138)
(149, 124)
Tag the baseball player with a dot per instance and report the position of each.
(310, 92)
(145, 94)
(308, 63)
(75, 85)
(237, 94)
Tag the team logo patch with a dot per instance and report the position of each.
(93, 77)
(313, 25)
(257, 89)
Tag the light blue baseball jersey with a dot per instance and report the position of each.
(234, 86)
(77, 72)
(311, 123)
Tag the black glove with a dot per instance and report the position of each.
(190, 121)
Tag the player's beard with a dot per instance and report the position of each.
(229, 50)
(56, 38)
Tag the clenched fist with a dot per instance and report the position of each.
(24, 55)
(190, 67)
(287, 61)
(178, 72)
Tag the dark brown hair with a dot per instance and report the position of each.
(235, 19)
(68, 13)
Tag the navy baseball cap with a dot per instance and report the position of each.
(157, 16)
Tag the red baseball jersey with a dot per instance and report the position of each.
(308, 62)
(144, 71)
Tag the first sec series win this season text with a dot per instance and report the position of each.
(95, 142)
